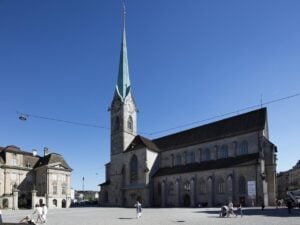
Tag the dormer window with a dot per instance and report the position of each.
(14, 159)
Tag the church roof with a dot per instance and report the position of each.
(207, 165)
(140, 141)
(236, 125)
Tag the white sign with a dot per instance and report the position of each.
(251, 189)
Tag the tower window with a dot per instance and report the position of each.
(130, 123)
(134, 169)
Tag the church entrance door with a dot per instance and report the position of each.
(186, 200)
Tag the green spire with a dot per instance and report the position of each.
(123, 84)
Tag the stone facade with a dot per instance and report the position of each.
(288, 181)
(27, 179)
(228, 160)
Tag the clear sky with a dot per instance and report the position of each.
(188, 60)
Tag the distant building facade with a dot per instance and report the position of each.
(27, 179)
(288, 180)
(228, 160)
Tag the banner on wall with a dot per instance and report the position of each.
(252, 189)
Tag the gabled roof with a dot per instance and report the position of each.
(236, 125)
(207, 165)
(53, 158)
(139, 142)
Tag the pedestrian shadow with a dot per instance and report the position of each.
(125, 218)
(272, 212)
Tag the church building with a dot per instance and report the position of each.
(209, 165)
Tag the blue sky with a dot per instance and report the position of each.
(188, 60)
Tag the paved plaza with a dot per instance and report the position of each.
(159, 216)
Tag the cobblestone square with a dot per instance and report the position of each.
(159, 216)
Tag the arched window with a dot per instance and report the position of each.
(130, 123)
(192, 157)
(221, 186)
(159, 189)
(187, 186)
(207, 156)
(243, 148)
(202, 187)
(134, 169)
(242, 185)
(171, 189)
(178, 159)
(224, 152)
(117, 123)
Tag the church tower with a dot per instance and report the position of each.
(123, 110)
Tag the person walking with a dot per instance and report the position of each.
(44, 213)
(1, 221)
(39, 211)
(230, 209)
(240, 210)
(262, 206)
(138, 207)
(289, 206)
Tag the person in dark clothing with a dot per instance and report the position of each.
(262, 206)
(289, 206)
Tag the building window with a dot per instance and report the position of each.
(192, 157)
(54, 177)
(14, 159)
(207, 156)
(224, 152)
(221, 186)
(242, 185)
(64, 189)
(130, 123)
(187, 186)
(178, 159)
(54, 186)
(243, 148)
(159, 189)
(134, 169)
(171, 189)
(202, 187)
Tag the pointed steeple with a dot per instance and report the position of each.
(123, 83)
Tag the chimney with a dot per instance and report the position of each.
(46, 151)
(34, 152)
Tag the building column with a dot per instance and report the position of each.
(193, 192)
(163, 194)
(15, 199)
(33, 198)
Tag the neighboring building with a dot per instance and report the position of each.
(228, 160)
(86, 196)
(27, 179)
(288, 180)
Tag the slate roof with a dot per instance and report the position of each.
(52, 158)
(140, 141)
(236, 125)
(207, 165)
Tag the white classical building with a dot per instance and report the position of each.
(27, 179)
